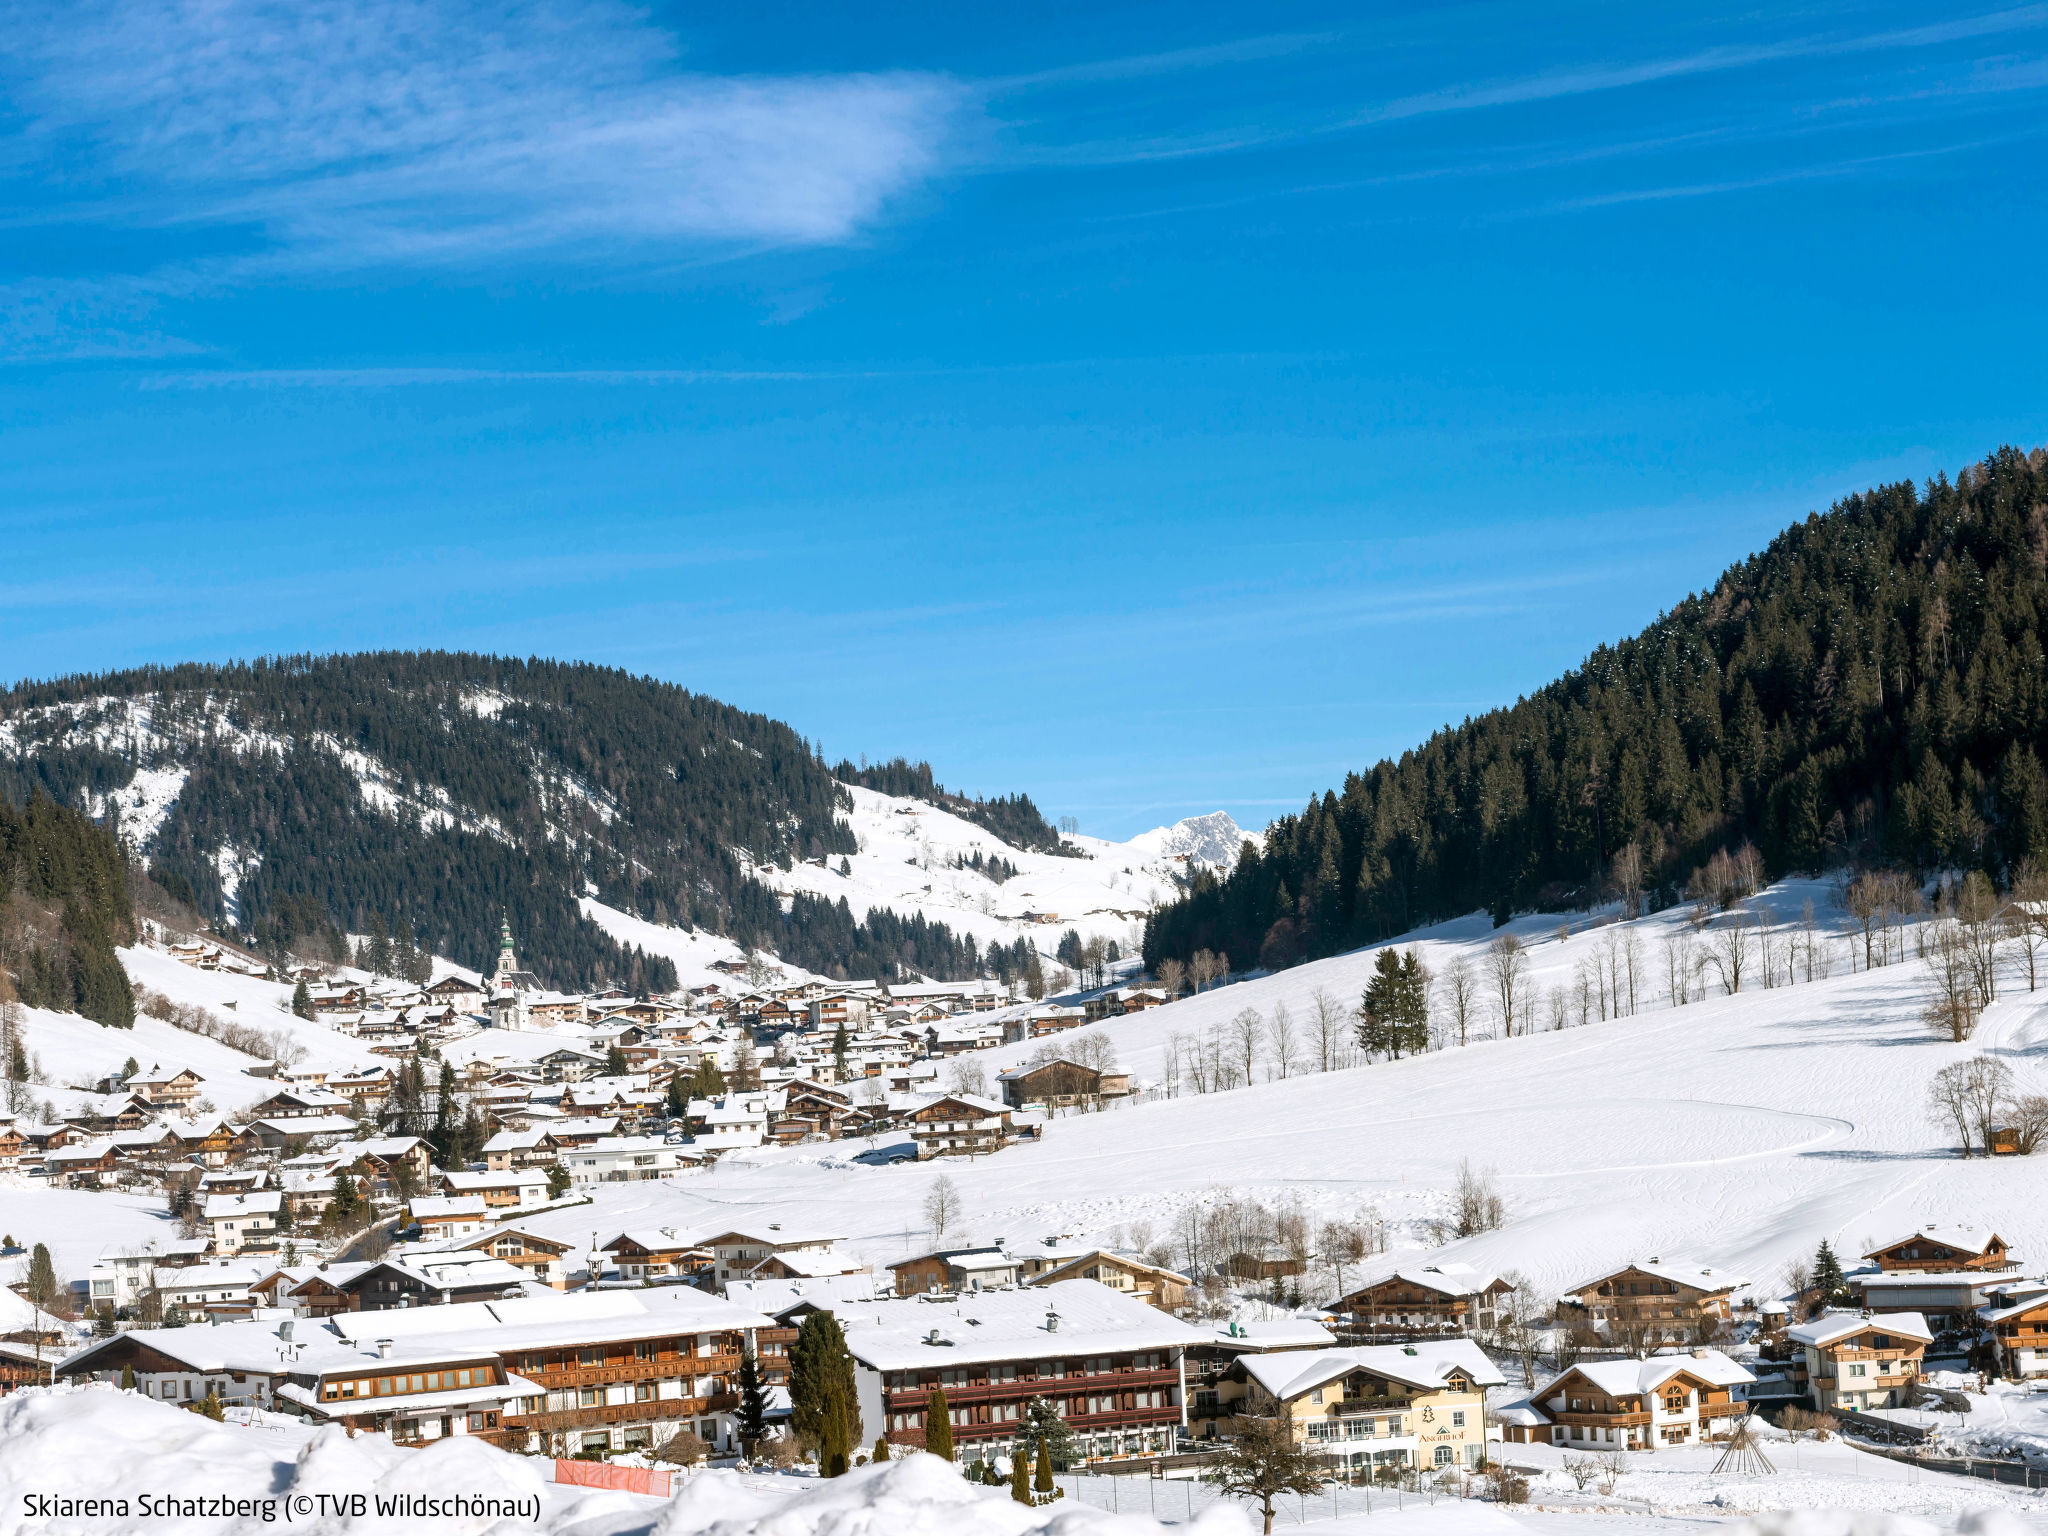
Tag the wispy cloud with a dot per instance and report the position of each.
(346, 134)
(400, 378)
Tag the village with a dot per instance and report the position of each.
(370, 1248)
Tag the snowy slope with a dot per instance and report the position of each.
(1738, 1131)
(906, 862)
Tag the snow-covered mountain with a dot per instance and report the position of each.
(626, 824)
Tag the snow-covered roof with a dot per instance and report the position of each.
(262, 1203)
(1425, 1364)
(446, 1207)
(1833, 1327)
(1445, 1279)
(550, 1318)
(1965, 1239)
(1631, 1378)
(1696, 1277)
(1074, 1317)
(1273, 1333)
(829, 1292)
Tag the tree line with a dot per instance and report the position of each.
(1868, 689)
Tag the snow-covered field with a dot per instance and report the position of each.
(907, 860)
(1737, 1131)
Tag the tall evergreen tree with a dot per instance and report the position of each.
(1828, 1279)
(824, 1402)
(753, 1411)
(938, 1424)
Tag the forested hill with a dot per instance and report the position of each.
(1870, 687)
(295, 797)
(63, 908)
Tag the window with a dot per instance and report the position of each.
(1316, 1397)
(590, 1357)
(1444, 1454)
(1457, 1418)
(1857, 1370)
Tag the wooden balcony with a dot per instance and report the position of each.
(652, 1411)
(908, 1399)
(1355, 1405)
(555, 1378)
(1723, 1410)
(1601, 1420)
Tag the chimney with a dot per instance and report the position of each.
(284, 1331)
(1052, 1322)
(384, 1349)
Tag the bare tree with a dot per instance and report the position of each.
(1681, 965)
(941, 1205)
(1507, 965)
(1628, 879)
(1341, 1245)
(1329, 1026)
(1728, 951)
(1862, 897)
(1202, 969)
(2028, 1120)
(1173, 977)
(1461, 992)
(1952, 1007)
(1976, 911)
(965, 1075)
(1248, 1033)
(1280, 1032)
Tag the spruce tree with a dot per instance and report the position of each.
(753, 1414)
(938, 1424)
(209, 1407)
(42, 1288)
(615, 1063)
(1828, 1279)
(823, 1399)
(302, 1000)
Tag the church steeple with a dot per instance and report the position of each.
(508, 963)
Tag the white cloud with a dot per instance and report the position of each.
(400, 131)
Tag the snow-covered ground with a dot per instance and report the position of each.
(909, 852)
(1735, 1131)
(54, 1446)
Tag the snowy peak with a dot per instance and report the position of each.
(1211, 841)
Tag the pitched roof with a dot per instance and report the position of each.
(1631, 1378)
(1425, 1364)
(1074, 1317)
(1833, 1327)
(1693, 1276)
(1965, 1239)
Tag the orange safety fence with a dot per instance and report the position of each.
(598, 1474)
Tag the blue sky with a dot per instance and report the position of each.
(1155, 408)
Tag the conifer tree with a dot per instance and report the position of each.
(753, 1413)
(302, 1000)
(209, 1407)
(823, 1399)
(127, 1378)
(1020, 1477)
(1828, 1278)
(938, 1424)
(881, 1449)
(1042, 1482)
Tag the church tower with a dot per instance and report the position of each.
(508, 963)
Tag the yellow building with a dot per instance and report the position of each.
(1390, 1407)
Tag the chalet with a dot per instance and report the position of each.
(422, 1279)
(428, 1389)
(978, 1268)
(338, 998)
(81, 1164)
(626, 1159)
(569, 1065)
(1634, 1405)
(542, 1260)
(236, 1222)
(2021, 1333)
(440, 1217)
(1216, 1381)
(12, 1144)
(395, 1160)
(1947, 1299)
(520, 1149)
(457, 992)
(960, 1125)
(658, 1255)
(736, 1251)
(513, 1189)
(268, 1135)
(1857, 1362)
(1935, 1248)
(1387, 1407)
(1653, 1302)
(216, 1288)
(1429, 1298)
(300, 1104)
(1061, 1084)
(1165, 1289)
(160, 1088)
(1110, 1365)
(366, 1086)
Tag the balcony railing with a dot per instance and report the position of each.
(1601, 1420)
(902, 1399)
(1722, 1410)
(654, 1410)
(637, 1370)
(1351, 1405)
